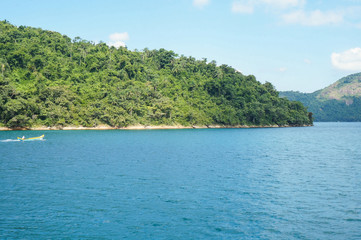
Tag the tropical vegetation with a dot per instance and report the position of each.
(48, 79)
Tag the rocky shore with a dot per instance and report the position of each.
(145, 127)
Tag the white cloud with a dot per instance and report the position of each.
(200, 3)
(118, 39)
(308, 61)
(119, 36)
(313, 18)
(282, 69)
(293, 12)
(242, 7)
(247, 6)
(347, 60)
(284, 3)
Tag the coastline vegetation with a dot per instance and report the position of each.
(48, 79)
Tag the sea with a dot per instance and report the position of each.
(261, 183)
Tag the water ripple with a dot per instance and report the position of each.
(289, 183)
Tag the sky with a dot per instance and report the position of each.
(298, 45)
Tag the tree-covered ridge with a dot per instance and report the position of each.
(48, 79)
(341, 101)
(343, 89)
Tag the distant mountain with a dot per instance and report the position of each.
(344, 89)
(340, 101)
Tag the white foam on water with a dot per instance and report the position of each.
(10, 140)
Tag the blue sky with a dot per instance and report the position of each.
(299, 45)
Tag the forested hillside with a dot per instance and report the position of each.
(339, 102)
(48, 79)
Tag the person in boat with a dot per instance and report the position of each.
(23, 137)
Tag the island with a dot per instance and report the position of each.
(49, 81)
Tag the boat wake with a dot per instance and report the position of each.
(10, 140)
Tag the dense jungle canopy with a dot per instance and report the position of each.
(48, 79)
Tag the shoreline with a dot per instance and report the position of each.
(145, 127)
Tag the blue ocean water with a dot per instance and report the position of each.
(284, 183)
